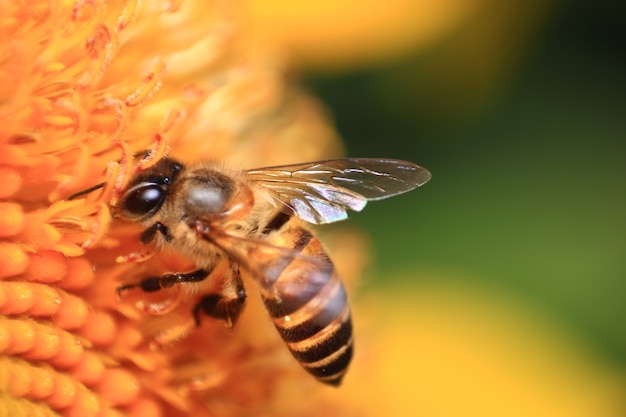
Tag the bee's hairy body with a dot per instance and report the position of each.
(222, 220)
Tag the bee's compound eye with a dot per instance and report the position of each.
(143, 199)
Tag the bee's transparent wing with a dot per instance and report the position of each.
(267, 261)
(322, 191)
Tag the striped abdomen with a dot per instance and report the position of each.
(308, 305)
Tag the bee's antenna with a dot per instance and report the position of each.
(87, 191)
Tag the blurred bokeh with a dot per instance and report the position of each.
(498, 289)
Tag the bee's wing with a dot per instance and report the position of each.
(322, 192)
(266, 262)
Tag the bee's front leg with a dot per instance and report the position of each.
(152, 284)
(227, 304)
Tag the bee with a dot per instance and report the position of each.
(225, 221)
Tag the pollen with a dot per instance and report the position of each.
(13, 259)
(11, 181)
(120, 386)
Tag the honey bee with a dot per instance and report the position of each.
(254, 220)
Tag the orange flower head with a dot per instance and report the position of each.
(86, 86)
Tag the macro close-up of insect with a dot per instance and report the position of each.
(178, 176)
(227, 222)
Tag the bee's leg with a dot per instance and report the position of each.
(146, 237)
(152, 284)
(227, 304)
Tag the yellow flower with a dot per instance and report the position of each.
(83, 85)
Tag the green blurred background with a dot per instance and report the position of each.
(523, 125)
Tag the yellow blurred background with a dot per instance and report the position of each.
(499, 289)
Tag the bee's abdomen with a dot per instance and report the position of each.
(309, 307)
